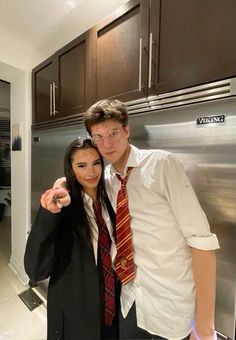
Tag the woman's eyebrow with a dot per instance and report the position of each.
(81, 163)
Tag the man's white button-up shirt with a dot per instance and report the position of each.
(166, 220)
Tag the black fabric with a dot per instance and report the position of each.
(73, 304)
(111, 213)
(112, 332)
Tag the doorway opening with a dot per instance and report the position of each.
(5, 171)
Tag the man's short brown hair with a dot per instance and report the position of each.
(103, 110)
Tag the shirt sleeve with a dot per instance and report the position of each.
(186, 207)
(60, 183)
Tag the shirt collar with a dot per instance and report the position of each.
(88, 202)
(133, 161)
(87, 199)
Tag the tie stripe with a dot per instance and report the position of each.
(104, 246)
(125, 267)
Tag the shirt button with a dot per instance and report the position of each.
(124, 262)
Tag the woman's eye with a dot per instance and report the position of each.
(81, 166)
(97, 162)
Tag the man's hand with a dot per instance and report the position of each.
(195, 336)
(54, 199)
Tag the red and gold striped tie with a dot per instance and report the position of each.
(104, 246)
(125, 267)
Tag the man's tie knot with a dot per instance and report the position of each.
(124, 180)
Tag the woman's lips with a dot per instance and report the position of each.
(92, 180)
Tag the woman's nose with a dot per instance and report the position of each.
(91, 171)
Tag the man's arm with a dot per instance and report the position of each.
(204, 272)
(60, 183)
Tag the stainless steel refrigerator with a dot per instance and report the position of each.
(203, 134)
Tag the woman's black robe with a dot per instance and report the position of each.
(53, 250)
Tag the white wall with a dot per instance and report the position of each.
(18, 54)
(20, 105)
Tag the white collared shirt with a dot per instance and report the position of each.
(166, 218)
(88, 203)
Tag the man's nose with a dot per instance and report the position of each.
(107, 142)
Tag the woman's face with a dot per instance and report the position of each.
(87, 168)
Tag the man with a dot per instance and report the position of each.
(172, 293)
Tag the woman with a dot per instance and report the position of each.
(68, 247)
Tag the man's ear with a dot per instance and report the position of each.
(127, 130)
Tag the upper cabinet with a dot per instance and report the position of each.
(144, 48)
(196, 42)
(43, 78)
(120, 53)
(150, 47)
(61, 83)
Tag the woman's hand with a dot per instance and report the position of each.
(54, 199)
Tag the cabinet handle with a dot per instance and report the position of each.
(150, 62)
(140, 64)
(54, 98)
(50, 103)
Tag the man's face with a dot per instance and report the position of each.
(111, 139)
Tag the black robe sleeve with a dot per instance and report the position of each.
(40, 254)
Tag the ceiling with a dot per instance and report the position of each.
(47, 25)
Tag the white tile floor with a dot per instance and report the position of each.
(17, 322)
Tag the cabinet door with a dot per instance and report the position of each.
(42, 79)
(120, 53)
(73, 74)
(197, 39)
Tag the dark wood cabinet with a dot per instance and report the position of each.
(61, 83)
(196, 41)
(43, 78)
(144, 48)
(120, 53)
(151, 47)
(73, 74)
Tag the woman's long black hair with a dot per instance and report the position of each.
(78, 215)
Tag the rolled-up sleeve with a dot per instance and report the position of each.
(187, 210)
(209, 242)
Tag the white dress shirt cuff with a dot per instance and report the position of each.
(208, 242)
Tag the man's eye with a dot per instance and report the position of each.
(98, 138)
(113, 134)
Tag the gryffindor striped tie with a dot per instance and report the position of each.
(104, 246)
(125, 267)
